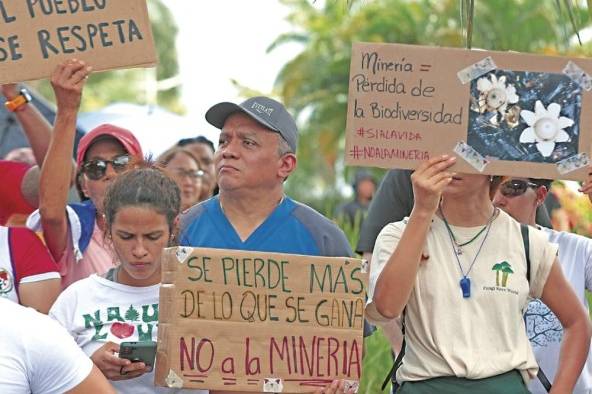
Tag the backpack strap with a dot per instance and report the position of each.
(398, 360)
(526, 240)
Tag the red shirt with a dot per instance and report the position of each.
(12, 200)
(23, 259)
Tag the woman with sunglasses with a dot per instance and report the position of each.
(74, 233)
(455, 274)
(183, 167)
(520, 197)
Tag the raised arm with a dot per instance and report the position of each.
(67, 81)
(36, 127)
(562, 300)
(400, 271)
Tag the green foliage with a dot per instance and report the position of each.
(314, 85)
(130, 84)
(376, 364)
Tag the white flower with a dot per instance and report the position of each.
(545, 127)
(495, 95)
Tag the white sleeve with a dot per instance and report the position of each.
(588, 266)
(55, 363)
(385, 245)
(62, 309)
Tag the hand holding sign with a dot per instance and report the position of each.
(67, 81)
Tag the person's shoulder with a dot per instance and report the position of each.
(22, 319)
(81, 287)
(190, 215)
(567, 239)
(329, 237)
(309, 216)
(398, 176)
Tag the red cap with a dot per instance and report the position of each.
(124, 136)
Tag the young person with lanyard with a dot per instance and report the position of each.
(100, 312)
(461, 302)
(520, 197)
(74, 232)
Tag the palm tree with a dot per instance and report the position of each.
(506, 269)
(497, 268)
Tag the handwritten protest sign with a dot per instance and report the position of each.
(501, 113)
(36, 35)
(254, 321)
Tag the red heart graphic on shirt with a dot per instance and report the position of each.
(122, 330)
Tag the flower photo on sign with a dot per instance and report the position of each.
(524, 116)
(495, 95)
(545, 127)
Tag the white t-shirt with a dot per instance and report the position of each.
(96, 310)
(37, 355)
(476, 337)
(542, 326)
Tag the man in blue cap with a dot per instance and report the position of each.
(256, 154)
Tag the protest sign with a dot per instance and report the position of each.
(257, 321)
(37, 35)
(501, 113)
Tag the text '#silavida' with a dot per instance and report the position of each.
(68, 38)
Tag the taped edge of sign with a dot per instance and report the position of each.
(364, 266)
(573, 163)
(471, 156)
(273, 385)
(578, 75)
(476, 70)
(351, 385)
(182, 253)
(173, 380)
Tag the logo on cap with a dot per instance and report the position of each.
(262, 109)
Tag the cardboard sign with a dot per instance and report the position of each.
(37, 35)
(501, 113)
(255, 321)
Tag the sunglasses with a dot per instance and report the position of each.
(96, 169)
(516, 187)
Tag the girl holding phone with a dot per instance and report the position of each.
(101, 312)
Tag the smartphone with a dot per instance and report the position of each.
(143, 351)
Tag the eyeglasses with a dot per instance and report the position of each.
(193, 174)
(96, 169)
(516, 187)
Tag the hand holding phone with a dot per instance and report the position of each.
(116, 368)
(143, 351)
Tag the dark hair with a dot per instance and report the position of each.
(542, 182)
(147, 186)
(197, 140)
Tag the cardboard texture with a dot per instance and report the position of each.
(255, 321)
(37, 35)
(502, 113)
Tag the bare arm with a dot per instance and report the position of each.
(67, 81)
(561, 299)
(38, 132)
(40, 295)
(36, 127)
(95, 382)
(401, 268)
